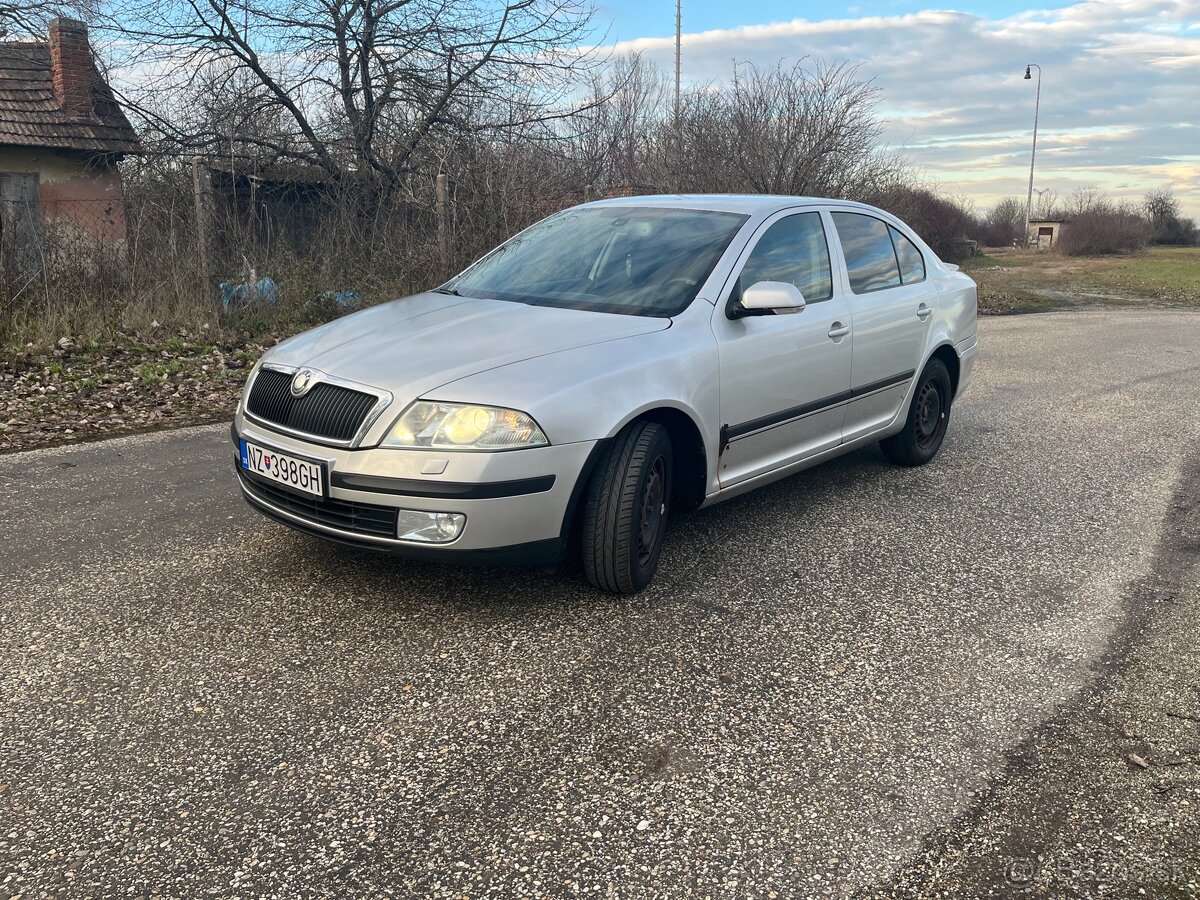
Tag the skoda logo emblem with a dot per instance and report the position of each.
(301, 382)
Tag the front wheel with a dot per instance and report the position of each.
(921, 437)
(628, 500)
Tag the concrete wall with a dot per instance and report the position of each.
(78, 195)
(1043, 241)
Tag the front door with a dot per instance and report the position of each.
(20, 226)
(784, 377)
(892, 305)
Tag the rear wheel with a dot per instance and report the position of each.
(625, 517)
(928, 415)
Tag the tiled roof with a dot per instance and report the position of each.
(30, 115)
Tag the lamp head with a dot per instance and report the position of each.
(1027, 75)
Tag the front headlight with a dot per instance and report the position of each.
(458, 426)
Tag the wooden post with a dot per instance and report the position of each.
(200, 200)
(443, 222)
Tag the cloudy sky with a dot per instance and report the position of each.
(1120, 107)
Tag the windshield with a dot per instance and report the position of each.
(636, 261)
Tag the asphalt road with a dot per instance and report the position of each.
(864, 679)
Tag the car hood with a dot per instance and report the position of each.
(411, 346)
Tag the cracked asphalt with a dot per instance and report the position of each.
(864, 680)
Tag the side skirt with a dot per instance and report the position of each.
(779, 474)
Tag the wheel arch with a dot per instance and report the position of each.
(690, 462)
(947, 354)
(689, 455)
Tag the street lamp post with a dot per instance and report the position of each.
(1033, 154)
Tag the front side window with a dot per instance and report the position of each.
(870, 257)
(912, 264)
(792, 250)
(642, 261)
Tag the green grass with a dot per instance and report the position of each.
(1174, 270)
(1027, 282)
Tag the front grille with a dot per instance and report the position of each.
(345, 515)
(328, 410)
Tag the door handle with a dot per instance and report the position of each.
(838, 330)
(924, 312)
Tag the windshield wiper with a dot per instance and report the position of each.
(453, 292)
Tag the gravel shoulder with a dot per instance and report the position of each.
(863, 680)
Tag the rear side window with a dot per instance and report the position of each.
(870, 257)
(912, 264)
(792, 250)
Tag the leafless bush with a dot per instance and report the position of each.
(1167, 224)
(163, 273)
(1098, 226)
(328, 217)
(806, 129)
(943, 222)
(1003, 223)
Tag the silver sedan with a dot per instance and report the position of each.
(606, 366)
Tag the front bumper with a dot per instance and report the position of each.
(517, 503)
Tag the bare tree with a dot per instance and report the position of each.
(809, 128)
(29, 20)
(616, 140)
(1047, 206)
(1004, 222)
(359, 88)
(1167, 224)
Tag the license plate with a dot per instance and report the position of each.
(298, 474)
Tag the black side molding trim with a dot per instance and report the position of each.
(882, 383)
(451, 490)
(733, 432)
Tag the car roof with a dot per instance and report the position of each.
(747, 204)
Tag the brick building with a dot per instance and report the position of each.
(61, 135)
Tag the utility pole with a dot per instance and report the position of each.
(678, 48)
(1033, 155)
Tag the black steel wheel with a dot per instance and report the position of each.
(625, 516)
(928, 417)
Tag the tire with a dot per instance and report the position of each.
(625, 516)
(928, 416)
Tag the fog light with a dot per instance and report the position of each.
(428, 527)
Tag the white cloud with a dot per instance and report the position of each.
(1120, 92)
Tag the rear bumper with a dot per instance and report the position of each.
(967, 350)
(517, 504)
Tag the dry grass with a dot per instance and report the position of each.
(83, 391)
(1028, 282)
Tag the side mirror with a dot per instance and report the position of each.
(769, 296)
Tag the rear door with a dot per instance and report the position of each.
(891, 304)
(784, 377)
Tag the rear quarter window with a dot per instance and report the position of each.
(912, 264)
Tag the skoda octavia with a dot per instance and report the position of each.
(606, 366)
